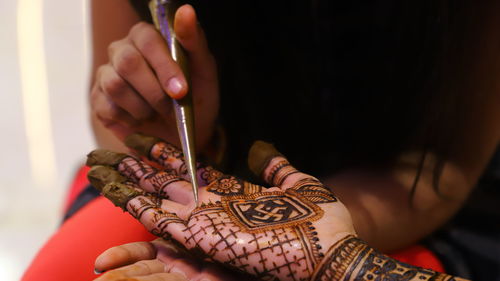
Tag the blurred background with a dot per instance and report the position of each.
(44, 129)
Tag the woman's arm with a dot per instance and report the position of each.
(379, 200)
(111, 21)
(295, 230)
(135, 77)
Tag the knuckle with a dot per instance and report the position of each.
(94, 94)
(159, 101)
(139, 28)
(114, 113)
(127, 60)
(114, 86)
(148, 45)
(142, 265)
(114, 46)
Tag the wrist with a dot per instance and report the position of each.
(352, 259)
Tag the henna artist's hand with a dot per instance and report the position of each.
(156, 260)
(295, 230)
(131, 92)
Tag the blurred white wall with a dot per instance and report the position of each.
(56, 54)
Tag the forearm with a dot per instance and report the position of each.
(352, 259)
(385, 212)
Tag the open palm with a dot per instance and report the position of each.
(282, 231)
(294, 230)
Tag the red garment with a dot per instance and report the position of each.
(70, 253)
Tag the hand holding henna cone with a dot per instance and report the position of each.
(295, 230)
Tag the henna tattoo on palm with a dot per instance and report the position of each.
(277, 232)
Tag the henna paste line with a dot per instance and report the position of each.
(263, 211)
(280, 172)
(352, 259)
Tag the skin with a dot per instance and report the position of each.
(134, 76)
(295, 229)
(382, 214)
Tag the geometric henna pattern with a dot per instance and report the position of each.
(134, 169)
(267, 234)
(280, 172)
(380, 267)
(352, 259)
(161, 180)
(314, 191)
(271, 248)
(168, 156)
(338, 258)
(267, 210)
(209, 174)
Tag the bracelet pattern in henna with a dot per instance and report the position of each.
(353, 259)
(280, 172)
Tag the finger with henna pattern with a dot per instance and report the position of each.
(148, 179)
(169, 158)
(128, 196)
(265, 161)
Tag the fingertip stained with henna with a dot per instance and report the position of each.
(119, 194)
(100, 176)
(104, 157)
(141, 144)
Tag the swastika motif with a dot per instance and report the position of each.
(263, 211)
(294, 230)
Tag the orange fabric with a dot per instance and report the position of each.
(79, 183)
(418, 255)
(70, 253)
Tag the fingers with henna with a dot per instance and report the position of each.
(265, 161)
(169, 157)
(110, 168)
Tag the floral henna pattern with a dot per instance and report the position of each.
(299, 232)
(209, 174)
(168, 157)
(227, 185)
(222, 185)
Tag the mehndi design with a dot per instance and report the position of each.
(294, 230)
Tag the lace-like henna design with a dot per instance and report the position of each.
(310, 242)
(271, 235)
(134, 169)
(271, 247)
(161, 180)
(209, 174)
(250, 188)
(170, 158)
(222, 185)
(262, 211)
(280, 172)
(143, 204)
(352, 259)
(314, 191)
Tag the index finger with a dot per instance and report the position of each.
(153, 47)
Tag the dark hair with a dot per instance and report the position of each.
(343, 83)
